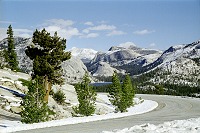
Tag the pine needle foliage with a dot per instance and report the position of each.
(47, 53)
(121, 96)
(115, 93)
(10, 54)
(86, 98)
(34, 109)
(59, 96)
(128, 93)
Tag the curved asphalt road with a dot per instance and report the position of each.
(169, 108)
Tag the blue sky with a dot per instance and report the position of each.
(100, 24)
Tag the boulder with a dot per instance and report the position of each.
(73, 70)
(16, 109)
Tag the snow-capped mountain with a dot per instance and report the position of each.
(86, 55)
(119, 56)
(179, 65)
(174, 53)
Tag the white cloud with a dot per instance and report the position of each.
(152, 45)
(143, 32)
(66, 32)
(52, 28)
(102, 27)
(90, 35)
(60, 22)
(23, 30)
(64, 28)
(116, 32)
(127, 44)
(89, 23)
(72, 32)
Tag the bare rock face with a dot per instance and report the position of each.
(58, 109)
(16, 109)
(104, 69)
(73, 70)
(65, 110)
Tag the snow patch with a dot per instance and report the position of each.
(178, 126)
(83, 53)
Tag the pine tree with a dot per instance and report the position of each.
(10, 54)
(47, 54)
(86, 98)
(34, 108)
(59, 96)
(115, 92)
(121, 96)
(128, 93)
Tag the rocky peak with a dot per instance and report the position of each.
(114, 48)
(84, 54)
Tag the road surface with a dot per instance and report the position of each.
(169, 108)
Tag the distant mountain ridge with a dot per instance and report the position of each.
(189, 51)
(118, 56)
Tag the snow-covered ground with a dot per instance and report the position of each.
(141, 106)
(178, 126)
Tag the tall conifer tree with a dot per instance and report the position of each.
(86, 97)
(34, 109)
(47, 54)
(121, 96)
(10, 54)
(128, 93)
(115, 92)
